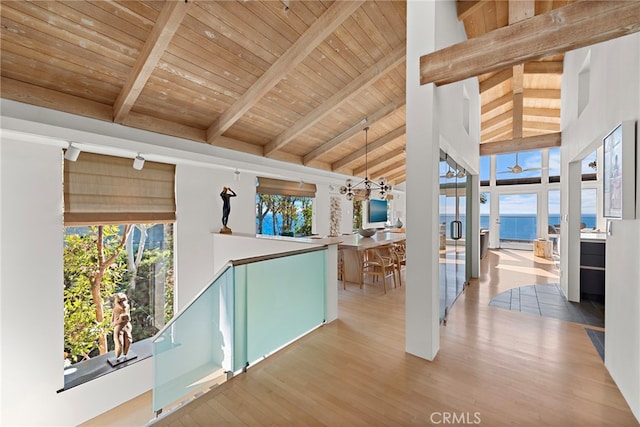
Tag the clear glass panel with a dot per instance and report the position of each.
(485, 168)
(485, 209)
(589, 205)
(518, 220)
(285, 299)
(196, 346)
(453, 209)
(589, 164)
(554, 211)
(554, 162)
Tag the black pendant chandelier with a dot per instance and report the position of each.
(362, 190)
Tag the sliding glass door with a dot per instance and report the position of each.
(453, 208)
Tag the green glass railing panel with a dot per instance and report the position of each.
(285, 298)
(196, 345)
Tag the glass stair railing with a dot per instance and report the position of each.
(251, 309)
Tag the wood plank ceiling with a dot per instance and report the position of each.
(291, 80)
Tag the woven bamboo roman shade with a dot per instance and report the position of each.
(100, 189)
(285, 188)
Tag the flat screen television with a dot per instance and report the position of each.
(377, 213)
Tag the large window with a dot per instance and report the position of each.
(279, 215)
(485, 209)
(589, 208)
(518, 217)
(589, 167)
(554, 212)
(101, 261)
(524, 167)
(118, 261)
(554, 164)
(284, 208)
(485, 170)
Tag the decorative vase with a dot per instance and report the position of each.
(398, 223)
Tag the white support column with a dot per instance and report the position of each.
(422, 288)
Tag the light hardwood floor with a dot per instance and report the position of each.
(495, 366)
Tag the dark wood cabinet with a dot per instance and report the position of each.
(592, 269)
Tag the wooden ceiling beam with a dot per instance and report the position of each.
(466, 8)
(504, 131)
(521, 144)
(496, 103)
(546, 126)
(542, 93)
(519, 11)
(378, 161)
(544, 67)
(48, 98)
(390, 169)
(154, 47)
(542, 112)
(338, 140)
(507, 116)
(496, 79)
(326, 24)
(368, 149)
(397, 178)
(362, 82)
(570, 27)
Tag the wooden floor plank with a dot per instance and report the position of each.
(507, 367)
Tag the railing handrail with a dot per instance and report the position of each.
(260, 258)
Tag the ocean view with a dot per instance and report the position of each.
(512, 226)
(517, 226)
(523, 227)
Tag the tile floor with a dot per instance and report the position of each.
(549, 301)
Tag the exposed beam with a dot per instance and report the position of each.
(339, 139)
(570, 27)
(496, 79)
(466, 8)
(48, 98)
(306, 43)
(507, 116)
(353, 88)
(165, 27)
(543, 67)
(400, 165)
(519, 11)
(397, 178)
(542, 112)
(518, 101)
(547, 126)
(500, 133)
(498, 102)
(378, 143)
(162, 126)
(542, 93)
(379, 160)
(521, 144)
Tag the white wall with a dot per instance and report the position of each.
(199, 215)
(434, 118)
(31, 269)
(31, 367)
(614, 97)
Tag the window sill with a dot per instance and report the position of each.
(96, 367)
